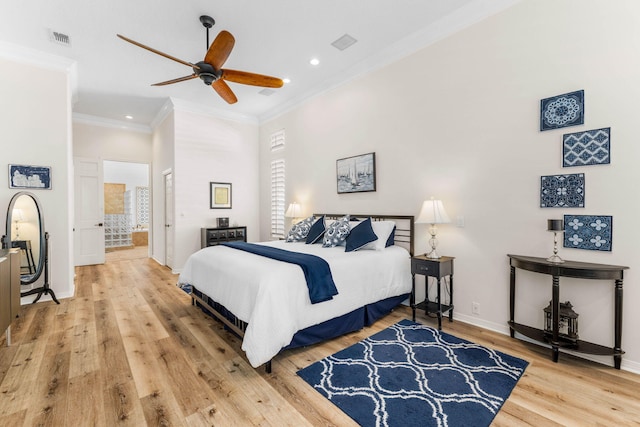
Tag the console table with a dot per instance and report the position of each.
(575, 269)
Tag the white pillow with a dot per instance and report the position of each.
(383, 230)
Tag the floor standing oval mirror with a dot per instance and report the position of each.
(25, 231)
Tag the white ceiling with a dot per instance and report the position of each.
(273, 37)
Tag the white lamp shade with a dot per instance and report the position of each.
(293, 211)
(17, 215)
(433, 212)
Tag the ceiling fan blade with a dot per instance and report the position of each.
(179, 79)
(189, 64)
(224, 91)
(252, 79)
(220, 49)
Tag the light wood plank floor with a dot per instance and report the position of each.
(130, 350)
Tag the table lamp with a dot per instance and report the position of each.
(433, 213)
(294, 211)
(557, 226)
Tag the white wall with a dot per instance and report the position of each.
(210, 149)
(459, 120)
(36, 130)
(131, 174)
(99, 141)
(163, 159)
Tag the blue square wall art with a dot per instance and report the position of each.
(562, 191)
(562, 110)
(592, 147)
(591, 232)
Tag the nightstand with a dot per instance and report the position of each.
(438, 268)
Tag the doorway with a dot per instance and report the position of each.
(127, 210)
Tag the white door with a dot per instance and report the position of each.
(88, 211)
(168, 219)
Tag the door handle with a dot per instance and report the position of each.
(98, 224)
(167, 225)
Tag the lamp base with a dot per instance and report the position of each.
(555, 259)
(432, 255)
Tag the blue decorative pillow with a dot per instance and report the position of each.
(336, 233)
(316, 232)
(300, 230)
(361, 234)
(392, 238)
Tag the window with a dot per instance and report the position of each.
(277, 140)
(277, 198)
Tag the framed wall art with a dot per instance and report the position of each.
(356, 174)
(591, 232)
(220, 195)
(592, 147)
(562, 191)
(562, 110)
(31, 177)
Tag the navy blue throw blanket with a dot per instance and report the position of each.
(316, 270)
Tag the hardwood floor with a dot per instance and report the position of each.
(129, 349)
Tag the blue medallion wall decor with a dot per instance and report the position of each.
(592, 232)
(562, 110)
(592, 147)
(562, 191)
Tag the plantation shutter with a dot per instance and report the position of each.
(277, 198)
(277, 140)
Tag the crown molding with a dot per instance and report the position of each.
(88, 119)
(27, 55)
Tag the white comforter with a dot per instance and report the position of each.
(272, 296)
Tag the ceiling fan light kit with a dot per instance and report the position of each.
(210, 70)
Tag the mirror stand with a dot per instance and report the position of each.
(44, 289)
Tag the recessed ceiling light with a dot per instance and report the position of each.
(128, 117)
(314, 61)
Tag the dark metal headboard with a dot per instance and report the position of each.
(404, 235)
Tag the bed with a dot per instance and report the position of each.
(268, 304)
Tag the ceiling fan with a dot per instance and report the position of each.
(210, 69)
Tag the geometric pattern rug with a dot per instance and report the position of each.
(411, 374)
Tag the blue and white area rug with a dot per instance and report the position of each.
(413, 375)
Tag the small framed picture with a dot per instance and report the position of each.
(356, 174)
(220, 195)
(31, 177)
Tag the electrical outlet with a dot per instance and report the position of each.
(475, 307)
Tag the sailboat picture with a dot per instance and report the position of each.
(356, 174)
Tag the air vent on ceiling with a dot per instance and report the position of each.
(267, 92)
(344, 42)
(59, 38)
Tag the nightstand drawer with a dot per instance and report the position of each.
(418, 267)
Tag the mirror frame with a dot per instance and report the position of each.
(26, 279)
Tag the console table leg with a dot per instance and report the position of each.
(617, 361)
(512, 299)
(556, 353)
(617, 348)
